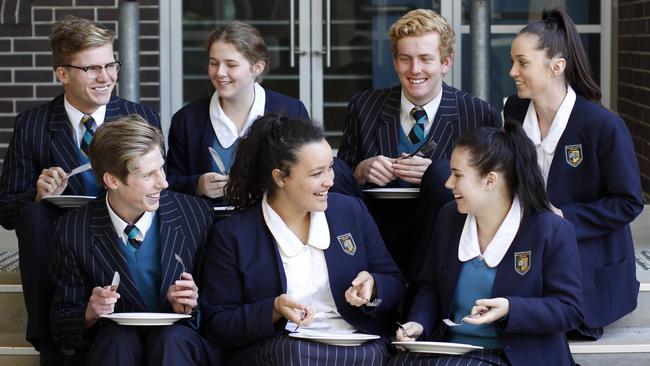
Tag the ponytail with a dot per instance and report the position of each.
(510, 152)
(558, 37)
(272, 142)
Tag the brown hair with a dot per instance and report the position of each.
(421, 21)
(72, 34)
(117, 145)
(246, 39)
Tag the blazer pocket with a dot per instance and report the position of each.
(619, 288)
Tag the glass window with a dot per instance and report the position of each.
(526, 11)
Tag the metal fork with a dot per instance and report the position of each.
(180, 260)
(374, 302)
(451, 323)
(425, 149)
(302, 319)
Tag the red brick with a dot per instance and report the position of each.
(31, 45)
(23, 105)
(96, 2)
(5, 45)
(52, 2)
(16, 91)
(16, 60)
(48, 91)
(108, 14)
(81, 13)
(6, 106)
(5, 76)
(34, 76)
(7, 122)
(43, 15)
(44, 60)
(15, 30)
(42, 30)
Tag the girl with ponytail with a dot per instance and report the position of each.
(296, 257)
(587, 160)
(501, 265)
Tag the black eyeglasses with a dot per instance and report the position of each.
(93, 71)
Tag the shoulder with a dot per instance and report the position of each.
(38, 114)
(278, 97)
(128, 107)
(341, 203)
(243, 222)
(463, 97)
(193, 110)
(516, 108)
(187, 203)
(78, 220)
(377, 94)
(548, 224)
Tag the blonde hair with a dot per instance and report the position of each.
(73, 34)
(421, 21)
(117, 145)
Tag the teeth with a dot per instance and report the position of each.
(101, 88)
(417, 81)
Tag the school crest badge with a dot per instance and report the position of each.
(522, 262)
(347, 243)
(573, 154)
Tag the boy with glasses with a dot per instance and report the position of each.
(48, 142)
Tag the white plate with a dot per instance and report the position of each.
(445, 348)
(145, 319)
(224, 208)
(65, 201)
(393, 193)
(353, 339)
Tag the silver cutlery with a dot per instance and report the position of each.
(217, 160)
(79, 169)
(425, 149)
(374, 302)
(115, 283)
(302, 319)
(401, 326)
(180, 260)
(451, 323)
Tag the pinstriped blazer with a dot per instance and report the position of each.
(86, 254)
(373, 122)
(43, 138)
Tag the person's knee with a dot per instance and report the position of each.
(115, 343)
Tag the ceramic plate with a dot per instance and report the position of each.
(65, 201)
(353, 339)
(393, 193)
(145, 319)
(445, 348)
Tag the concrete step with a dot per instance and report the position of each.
(14, 349)
(628, 346)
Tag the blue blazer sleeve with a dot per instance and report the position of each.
(183, 139)
(559, 308)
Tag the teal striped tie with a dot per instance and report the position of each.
(133, 233)
(89, 124)
(417, 132)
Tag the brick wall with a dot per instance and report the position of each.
(633, 102)
(26, 75)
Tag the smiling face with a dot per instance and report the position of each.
(468, 188)
(230, 72)
(419, 67)
(84, 93)
(530, 67)
(141, 190)
(305, 188)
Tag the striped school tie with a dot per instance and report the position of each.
(134, 235)
(89, 124)
(417, 132)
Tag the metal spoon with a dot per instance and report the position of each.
(180, 260)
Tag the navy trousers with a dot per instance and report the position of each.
(486, 357)
(162, 346)
(34, 230)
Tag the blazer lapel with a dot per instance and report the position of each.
(105, 248)
(63, 147)
(172, 242)
(442, 128)
(388, 132)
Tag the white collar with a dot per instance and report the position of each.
(468, 247)
(288, 242)
(119, 225)
(431, 108)
(224, 128)
(531, 123)
(75, 115)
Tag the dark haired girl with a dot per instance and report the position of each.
(237, 61)
(587, 160)
(296, 258)
(501, 263)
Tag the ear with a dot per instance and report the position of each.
(258, 68)
(446, 63)
(491, 180)
(558, 64)
(62, 75)
(278, 177)
(110, 181)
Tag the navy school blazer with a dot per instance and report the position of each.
(191, 134)
(372, 123)
(87, 253)
(594, 179)
(43, 138)
(545, 297)
(244, 275)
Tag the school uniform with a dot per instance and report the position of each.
(537, 272)
(89, 250)
(594, 179)
(378, 123)
(245, 271)
(194, 128)
(47, 136)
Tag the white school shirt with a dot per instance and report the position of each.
(143, 224)
(306, 270)
(74, 116)
(468, 246)
(407, 121)
(546, 148)
(224, 128)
